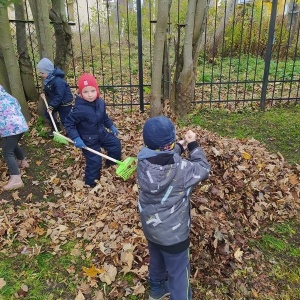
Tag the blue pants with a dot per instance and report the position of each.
(174, 267)
(63, 112)
(12, 151)
(94, 162)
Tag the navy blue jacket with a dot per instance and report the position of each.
(88, 120)
(58, 90)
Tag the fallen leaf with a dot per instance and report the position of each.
(2, 283)
(238, 255)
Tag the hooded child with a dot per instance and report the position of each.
(165, 181)
(87, 126)
(57, 90)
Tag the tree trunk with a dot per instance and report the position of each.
(166, 71)
(11, 62)
(63, 35)
(158, 54)
(3, 74)
(185, 73)
(24, 59)
(214, 41)
(40, 13)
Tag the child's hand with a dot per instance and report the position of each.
(78, 142)
(183, 144)
(190, 136)
(114, 130)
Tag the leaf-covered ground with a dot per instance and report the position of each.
(248, 189)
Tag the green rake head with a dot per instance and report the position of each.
(127, 167)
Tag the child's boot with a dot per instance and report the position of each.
(22, 164)
(158, 290)
(14, 182)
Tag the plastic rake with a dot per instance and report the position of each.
(56, 137)
(125, 168)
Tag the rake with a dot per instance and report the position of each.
(125, 168)
(56, 137)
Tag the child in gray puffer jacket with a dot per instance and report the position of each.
(165, 182)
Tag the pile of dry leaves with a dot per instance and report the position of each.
(248, 188)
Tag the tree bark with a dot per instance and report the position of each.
(11, 62)
(63, 35)
(24, 59)
(185, 74)
(214, 41)
(157, 67)
(40, 13)
(3, 74)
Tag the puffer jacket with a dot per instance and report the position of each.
(57, 89)
(12, 121)
(88, 120)
(165, 182)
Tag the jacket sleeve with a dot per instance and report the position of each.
(197, 168)
(59, 88)
(71, 121)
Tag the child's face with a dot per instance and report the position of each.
(89, 93)
(43, 75)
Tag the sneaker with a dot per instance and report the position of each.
(15, 182)
(160, 298)
(158, 290)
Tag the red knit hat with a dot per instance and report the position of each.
(87, 79)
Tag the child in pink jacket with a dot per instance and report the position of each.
(12, 127)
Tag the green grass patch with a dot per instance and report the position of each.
(45, 274)
(278, 128)
(281, 247)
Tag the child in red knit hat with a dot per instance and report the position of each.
(87, 126)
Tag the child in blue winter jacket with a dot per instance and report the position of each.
(57, 91)
(12, 127)
(87, 125)
(165, 182)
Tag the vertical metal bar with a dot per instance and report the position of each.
(231, 55)
(268, 55)
(110, 37)
(129, 56)
(90, 35)
(80, 37)
(140, 54)
(258, 53)
(294, 59)
(120, 53)
(100, 47)
(248, 52)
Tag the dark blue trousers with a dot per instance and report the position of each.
(174, 267)
(63, 111)
(94, 162)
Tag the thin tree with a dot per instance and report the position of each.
(11, 62)
(163, 9)
(186, 66)
(40, 13)
(63, 34)
(23, 54)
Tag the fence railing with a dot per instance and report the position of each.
(249, 55)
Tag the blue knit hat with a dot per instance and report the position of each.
(158, 132)
(45, 65)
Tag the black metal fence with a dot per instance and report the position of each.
(249, 53)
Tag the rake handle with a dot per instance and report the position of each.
(91, 150)
(50, 113)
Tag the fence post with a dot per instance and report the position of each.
(268, 56)
(140, 54)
